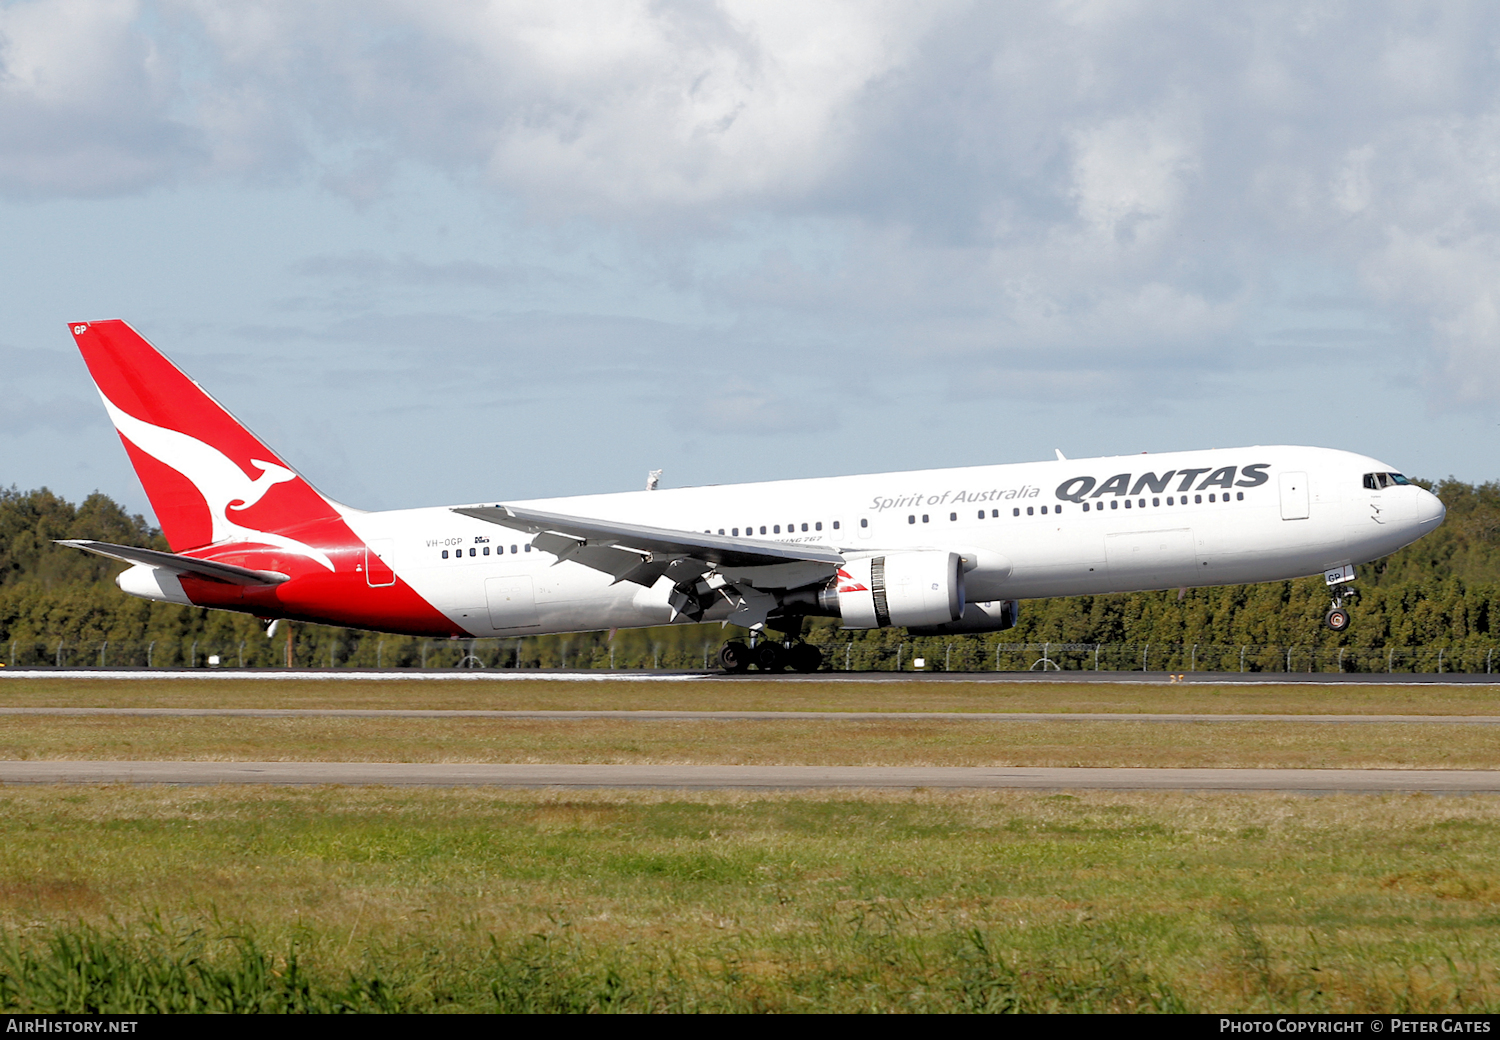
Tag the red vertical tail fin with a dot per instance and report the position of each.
(209, 479)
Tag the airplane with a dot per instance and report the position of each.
(933, 551)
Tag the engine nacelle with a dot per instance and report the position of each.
(903, 589)
(992, 616)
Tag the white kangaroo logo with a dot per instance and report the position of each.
(223, 484)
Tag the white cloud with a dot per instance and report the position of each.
(1129, 176)
(1102, 184)
(589, 107)
(85, 101)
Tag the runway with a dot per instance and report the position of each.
(957, 717)
(783, 778)
(560, 675)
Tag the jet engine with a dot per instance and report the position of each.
(993, 616)
(902, 589)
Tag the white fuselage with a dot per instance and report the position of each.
(1223, 516)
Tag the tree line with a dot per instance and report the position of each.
(1442, 591)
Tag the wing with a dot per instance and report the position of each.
(630, 552)
(224, 572)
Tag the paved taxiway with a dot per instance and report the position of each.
(399, 774)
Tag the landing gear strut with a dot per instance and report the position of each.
(1338, 617)
(769, 656)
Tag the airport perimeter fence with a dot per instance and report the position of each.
(930, 654)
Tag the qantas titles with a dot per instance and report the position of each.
(1076, 489)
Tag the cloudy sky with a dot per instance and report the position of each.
(449, 252)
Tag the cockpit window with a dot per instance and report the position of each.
(1376, 481)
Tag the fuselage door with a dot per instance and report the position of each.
(378, 556)
(1293, 496)
(512, 602)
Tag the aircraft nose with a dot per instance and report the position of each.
(1430, 509)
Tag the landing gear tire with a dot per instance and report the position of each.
(1337, 619)
(804, 657)
(768, 657)
(734, 657)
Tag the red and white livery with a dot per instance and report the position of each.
(951, 550)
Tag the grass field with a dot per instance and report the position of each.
(472, 900)
(243, 898)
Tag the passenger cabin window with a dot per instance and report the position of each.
(863, 522)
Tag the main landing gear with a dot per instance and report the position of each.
(767, 655)
(1338, 617)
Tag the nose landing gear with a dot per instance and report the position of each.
(1338, 617)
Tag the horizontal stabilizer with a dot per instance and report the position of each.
(225, 572)
(660, 544)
